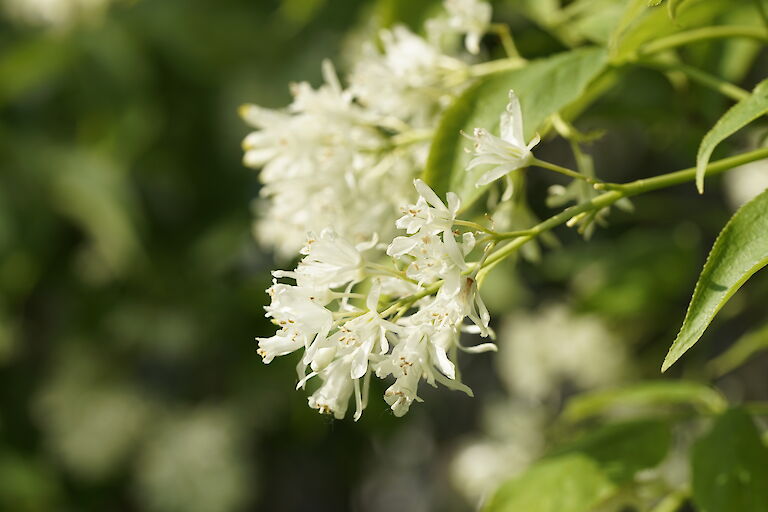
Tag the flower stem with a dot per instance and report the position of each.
(703, 34)
(563, 170)
(495, 66)
(475, 226)
(619, 192)
(713, 82)
(502, 30)
(412, 137)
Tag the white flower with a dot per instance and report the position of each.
(472, 17)
(506, 153)
(302, 317)
(325, 162)
(343, 342)
(429, 214)
(330, 261)
(407, 80)
(333, 395)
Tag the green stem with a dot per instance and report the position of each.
(702, 34)
(475, 226)
(713, 82)
(763, 10)
(495, 66)
(502, 30)
(562, 170)
(412, 137)
(513, 234)
(619, 192)
(672, 501)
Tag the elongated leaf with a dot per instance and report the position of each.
(644, 395)
(730, 467)
(641, 24)
(738, 354)
(623, 449)
(544, 87)
(571, 483)
(740, 250)
(740, 115)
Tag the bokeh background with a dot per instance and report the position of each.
(131, 288)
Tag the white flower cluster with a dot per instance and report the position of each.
(406, 323)
(343, 157)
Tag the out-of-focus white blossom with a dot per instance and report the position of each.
(342, 157)
(345, 342)
(325, 161)
(91, 425)
(744, 183)
(194, 463)
(515, 439)
(506, 153)
(472, 17)
(541, 351)
(409, 79)
(54, 13)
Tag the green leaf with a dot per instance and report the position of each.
(738, 354)
(623, 449)
(644, 395)
(740, 250)
(641, 24)
(736, 118)
(730, 467)
(673, 6)
(544, 87)
(571, 483)
(412, 13)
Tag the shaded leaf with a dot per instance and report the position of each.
(641, 24)
(645, 394)
(623, 449)
(736, 118)
(730, 466)
(740, 250)
(544, 87)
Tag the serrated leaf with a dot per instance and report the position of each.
(544, 87)
(571, 483)
(736, 118)
(623, 449)
(740, 250)
(730, 466)
(644, 395)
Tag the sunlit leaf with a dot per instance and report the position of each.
(730, 466)
(579, 482)
(736, 118)
(544, 87)
(740, 250)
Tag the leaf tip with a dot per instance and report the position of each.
(669, 361)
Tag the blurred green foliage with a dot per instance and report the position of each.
(131, 289)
